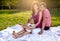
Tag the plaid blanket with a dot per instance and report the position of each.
(49, 35)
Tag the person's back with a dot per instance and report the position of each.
(46, 15)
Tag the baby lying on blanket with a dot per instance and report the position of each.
(27, 29)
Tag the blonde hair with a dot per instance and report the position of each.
(43, 3)
(37, 3)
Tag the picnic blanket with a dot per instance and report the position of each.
(48, 35)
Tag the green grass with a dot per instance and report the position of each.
(10, 18)
(55, 17)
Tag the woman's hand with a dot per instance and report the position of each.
(40, 32)
(33, 27)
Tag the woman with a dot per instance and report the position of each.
(37, 14)
(46, 17)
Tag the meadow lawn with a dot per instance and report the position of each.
(10, 18)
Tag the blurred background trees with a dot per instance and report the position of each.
(8, 4)
(26, 4)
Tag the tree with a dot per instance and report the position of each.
(8, 3)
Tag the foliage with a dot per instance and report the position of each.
(26, 4)
(8, 3)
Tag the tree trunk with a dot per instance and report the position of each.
(2, 7)
(9, 7)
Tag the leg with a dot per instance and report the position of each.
(25, 33)
(22, 31)
(15, 35)
(25, 27)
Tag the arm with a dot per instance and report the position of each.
(40, 16)
(45, 16)
(27, 27)
(30, 28)
(33, 27)
(43, 25)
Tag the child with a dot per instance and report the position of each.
(27, 29)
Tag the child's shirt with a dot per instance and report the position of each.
(30, 25)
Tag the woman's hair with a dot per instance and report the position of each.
(35, 3)
(43, 3)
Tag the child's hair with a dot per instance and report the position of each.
(30, 19)
(43, 3)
